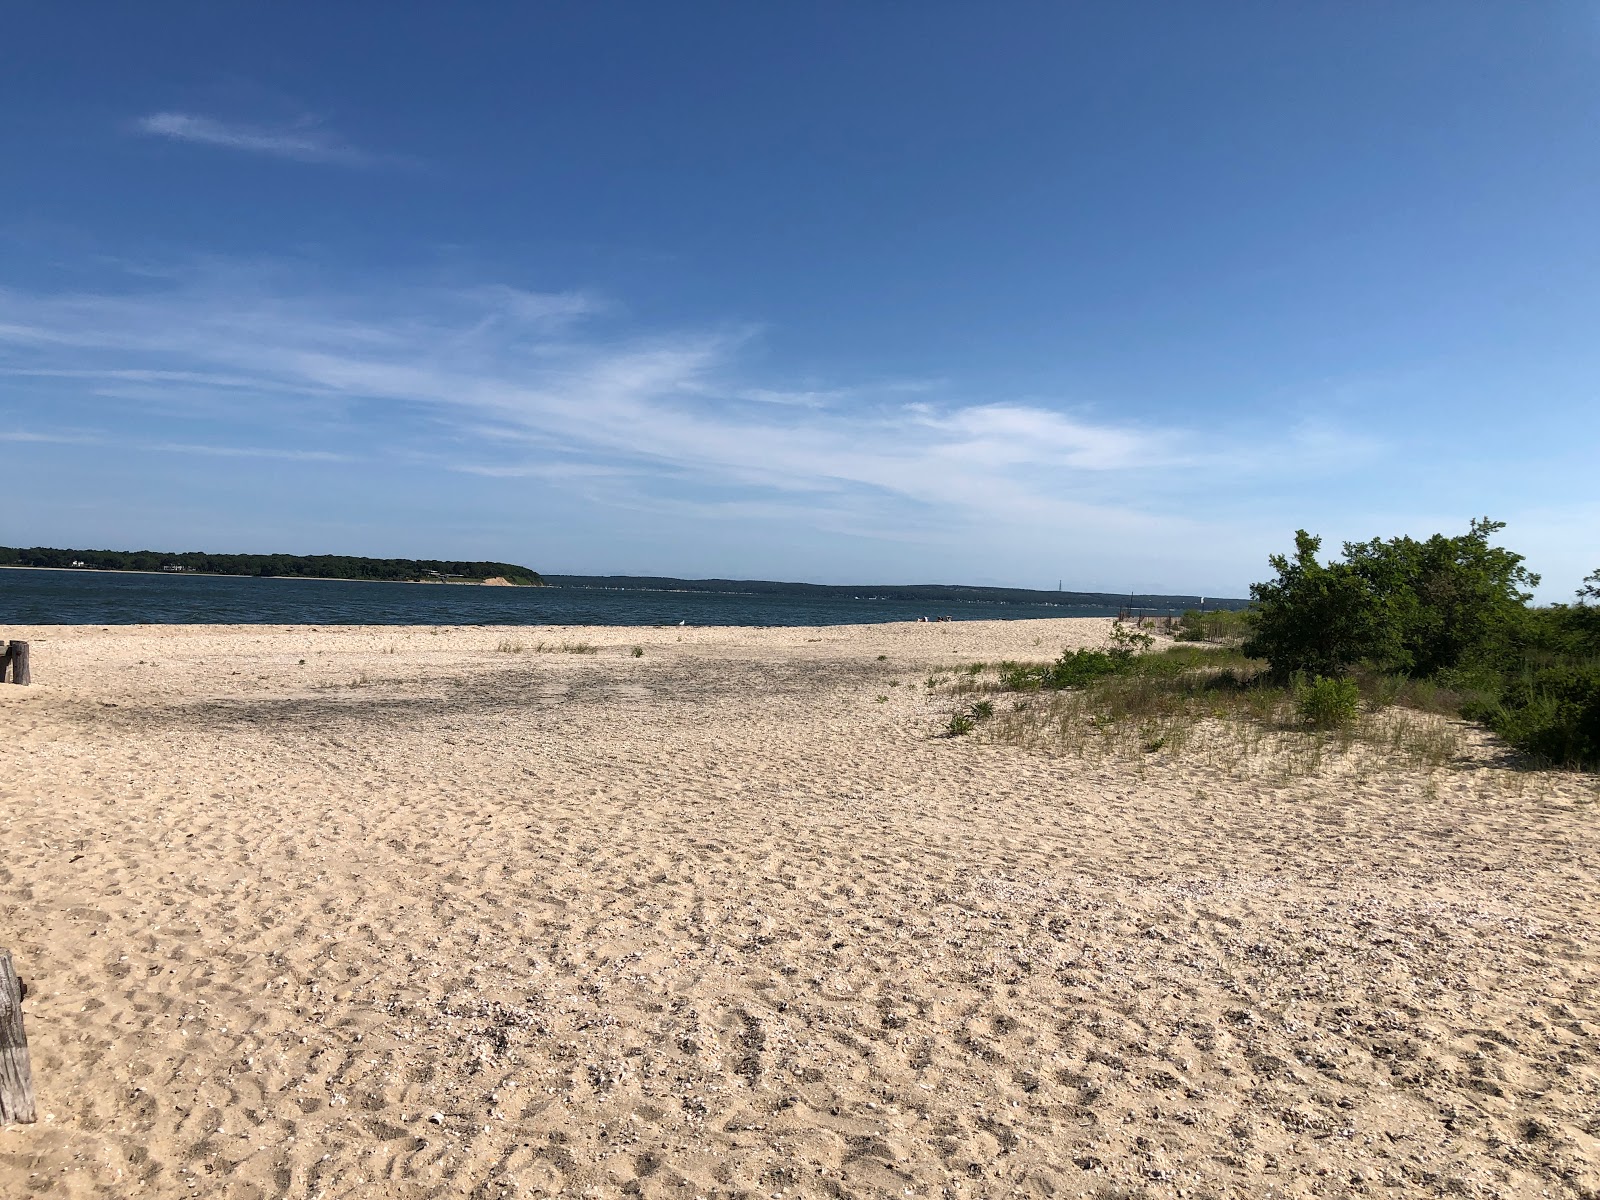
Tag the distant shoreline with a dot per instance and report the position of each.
(308, 578)
(922, 593)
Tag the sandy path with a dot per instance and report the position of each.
(715, 921)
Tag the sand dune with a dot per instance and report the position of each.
(429, 914)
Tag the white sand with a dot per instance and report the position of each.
(716, 922)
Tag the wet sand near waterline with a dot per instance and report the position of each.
(432, 916)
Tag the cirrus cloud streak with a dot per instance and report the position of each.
(553, 389)
(305, 141)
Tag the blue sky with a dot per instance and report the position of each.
(870, 292)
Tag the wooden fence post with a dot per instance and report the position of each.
(17, 655)
(16, 1074)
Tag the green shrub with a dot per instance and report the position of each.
(1552, 713)
(1020, 677)
(1328, 703)
(1446, 600)
(1312, 618)
(1406, 606)
(1078, 668)
(1075, 668)
(960, 725)
(1127, 641)
(1082, 667)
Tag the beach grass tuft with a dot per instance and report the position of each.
(571, 648)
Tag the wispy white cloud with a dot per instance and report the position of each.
(500, 369)
(304, 141)
(57, 439)
(247, 452)
(563, 471)
(215, 451)
(511, 384)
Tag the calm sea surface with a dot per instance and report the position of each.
(116, 598)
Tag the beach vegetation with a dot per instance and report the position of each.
(1450, 619)
(566, 648)
(1396, 645)
(1230, 710)
(1327, 703)
(964, 720)
(638, 651)
(1079, 667)
(1402, 605)
(1221, 626)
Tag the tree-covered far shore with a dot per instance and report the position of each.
(293, 566)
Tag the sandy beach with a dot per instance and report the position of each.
(417, 912)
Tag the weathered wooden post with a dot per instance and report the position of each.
(17, 656)
(16, 1074)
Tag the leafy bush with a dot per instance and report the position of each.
(1312, 619)
(1328, 703)
(1127, 641)
(1078, 668)
(1538, 683)
(1441, 624)
(1552, 714)
(1444, 600)
(1075, 668)
(1404, 606)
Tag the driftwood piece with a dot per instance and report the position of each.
(17, 655)
(16, 1074)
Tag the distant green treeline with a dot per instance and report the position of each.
(305, 566)
(932, 593)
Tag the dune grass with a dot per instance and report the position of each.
(514, 646)
(1206, 703)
